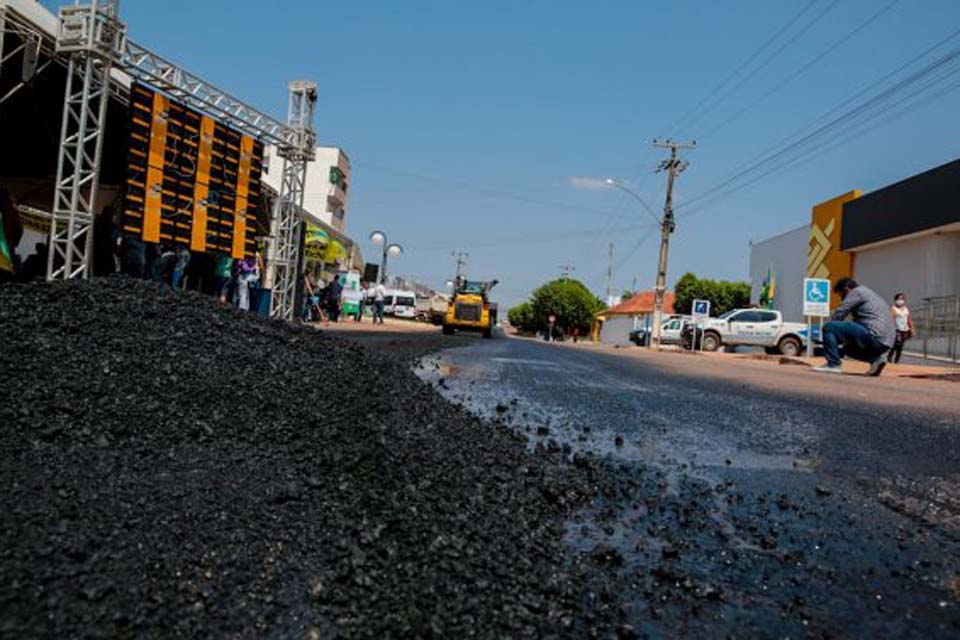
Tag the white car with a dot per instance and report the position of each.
(671, 331)
(400, 303)
(756, 328)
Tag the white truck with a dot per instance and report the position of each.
(756, 328)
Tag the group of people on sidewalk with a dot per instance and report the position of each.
(324, 301)
(875, 333)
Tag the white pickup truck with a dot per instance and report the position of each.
(755, 328)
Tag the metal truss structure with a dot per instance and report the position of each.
(167, 76)
(95, 41)
(284, 255)
(29, 41)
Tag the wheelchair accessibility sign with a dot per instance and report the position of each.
(816, 297)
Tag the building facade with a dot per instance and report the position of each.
(614, 324)
(902, 238)
(782, 257)
(327, 185)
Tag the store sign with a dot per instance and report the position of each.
(34, 222)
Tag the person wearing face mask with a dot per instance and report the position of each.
(903, 323)
(867, 337)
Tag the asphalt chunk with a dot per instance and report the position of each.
(172, 467)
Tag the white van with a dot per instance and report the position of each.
(400, 303)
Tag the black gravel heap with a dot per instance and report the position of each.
(171, 468)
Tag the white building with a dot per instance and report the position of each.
(326, 188)
(904, 238)
(783, 256)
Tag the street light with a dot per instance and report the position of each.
(379, 238)
(634, 195)
(666, 228)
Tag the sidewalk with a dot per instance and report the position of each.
(854, 367)
(390, 325)
(851, 367)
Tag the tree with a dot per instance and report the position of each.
(569, 300)
(723, 295)
(521, 316)
(626, 295)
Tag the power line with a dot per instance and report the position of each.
(490, 193)
(629, 254)
(534, 238)
(796, 36)
(824, 116)
(811, 138)
(673, 166)
(817, 58)
(753, 56)
(859, 129)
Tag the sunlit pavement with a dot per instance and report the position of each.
(866, 473)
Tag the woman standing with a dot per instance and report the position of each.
(249, 273)
(903, 322)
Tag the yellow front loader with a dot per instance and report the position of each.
(470, 308)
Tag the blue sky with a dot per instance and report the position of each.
(467, 121)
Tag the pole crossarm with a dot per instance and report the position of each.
(673, 166)
(149, 67)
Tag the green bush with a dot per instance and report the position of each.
(723, 295)
(569, 300)
(521, 316)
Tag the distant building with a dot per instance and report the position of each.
(782, 257)
(326, 188)
(614, 324)
(902, 238)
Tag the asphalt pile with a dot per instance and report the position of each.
(171, 467)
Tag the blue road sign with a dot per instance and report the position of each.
(701, 309)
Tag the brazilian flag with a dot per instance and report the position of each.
(6, 257)
(768, 290)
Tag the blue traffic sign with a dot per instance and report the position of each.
(701, 309)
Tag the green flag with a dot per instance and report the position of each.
(6, 256)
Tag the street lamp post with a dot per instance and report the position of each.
(657, 313)
(379, 238)
(667, 224)
(635, 196)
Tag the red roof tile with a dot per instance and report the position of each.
(641, 303)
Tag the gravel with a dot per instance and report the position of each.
(172, 468)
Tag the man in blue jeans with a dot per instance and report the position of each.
(867, 338)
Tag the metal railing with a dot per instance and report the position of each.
(937, 321)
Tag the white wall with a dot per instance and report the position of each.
(616, 330)
(923, 267)
(317, 188)
(787, 255)
(928, 266)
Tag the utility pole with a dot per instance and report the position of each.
(461, 260)
(634, 288)
(566, 270)
(609, 270)
(673, 166)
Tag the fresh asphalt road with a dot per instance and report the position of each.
(774, 501)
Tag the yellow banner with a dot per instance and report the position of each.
(34, 222)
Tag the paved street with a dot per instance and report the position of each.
(783, 502)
